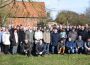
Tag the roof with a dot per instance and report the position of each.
(27, 9)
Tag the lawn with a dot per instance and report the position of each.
(66, 59)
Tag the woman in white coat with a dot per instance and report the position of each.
(6, 41)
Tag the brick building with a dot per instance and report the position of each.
(27, 13)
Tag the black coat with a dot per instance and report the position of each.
(84, 34)
(55, 37)
(21, 35)
(26, 46)
(12, 39)
(89, 34)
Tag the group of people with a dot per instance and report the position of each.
(58, 39)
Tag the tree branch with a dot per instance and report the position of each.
(7, 4)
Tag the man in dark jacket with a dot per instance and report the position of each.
(14, 41)
(21, 35)
(84, 33)
(27, 48)
(40, 48)
(54, 39)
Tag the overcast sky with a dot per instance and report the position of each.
(55, 6)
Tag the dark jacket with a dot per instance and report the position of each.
(21, 35)
(71, 44)
(84, 34)
(55, 37)
(13, 40)
(89, 33)
(26, 46)
(40, 48)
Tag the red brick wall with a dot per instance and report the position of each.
(23, 21)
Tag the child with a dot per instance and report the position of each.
(61, 47)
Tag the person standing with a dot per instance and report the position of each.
(84, 33)
(47, 40)
(39, 41)
(14, 41)
(6, 40)
(21, 37)
(55, 37)
(29, 39)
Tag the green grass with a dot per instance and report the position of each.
(47, 60)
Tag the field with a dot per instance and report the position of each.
(55, 59)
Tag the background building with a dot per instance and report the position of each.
(26, 13)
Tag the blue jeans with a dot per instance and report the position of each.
(14, 49)
(53, 49)
(47, 48)
(72, 50)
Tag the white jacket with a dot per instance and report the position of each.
(38, 35)
(6, 38)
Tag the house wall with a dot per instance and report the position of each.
(23, 21)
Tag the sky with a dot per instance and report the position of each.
(55, 6)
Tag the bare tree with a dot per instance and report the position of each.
(88, 12)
